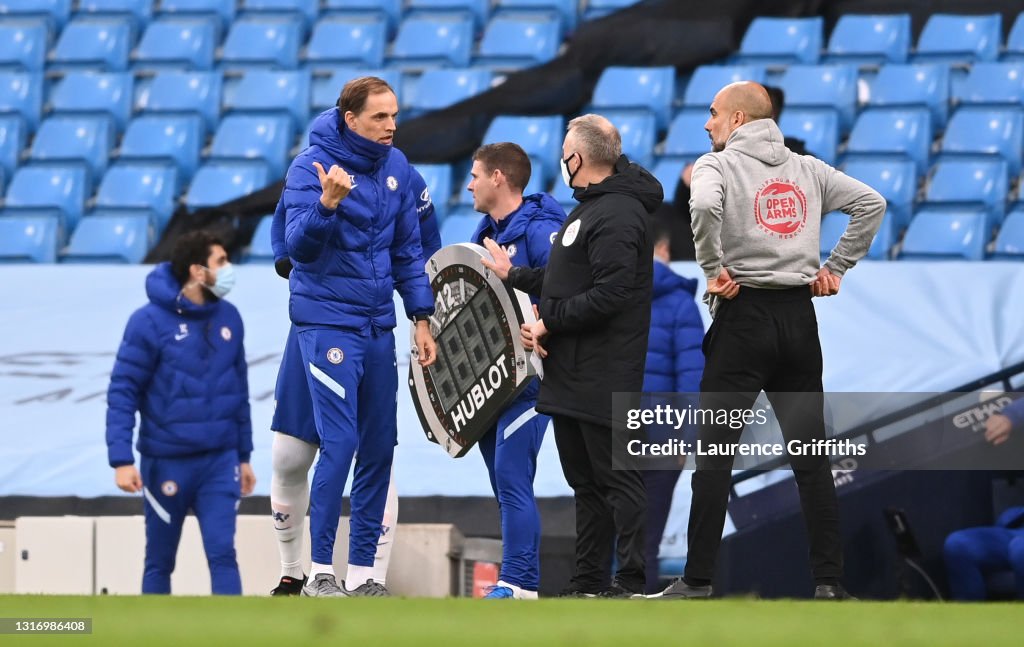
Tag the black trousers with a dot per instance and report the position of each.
(660, 486)
(610, 508)
(764, 339)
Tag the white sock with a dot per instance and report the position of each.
(289, 498)
(316, 569)
(357, 575)
(389, 527)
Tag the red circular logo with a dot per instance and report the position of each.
(780, 208)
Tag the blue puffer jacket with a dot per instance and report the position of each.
(348, 262)
(182, 366)
(526, 235)
(430, 234)
(675, 361)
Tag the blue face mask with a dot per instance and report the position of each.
(224, 281)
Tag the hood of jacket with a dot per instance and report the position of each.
(537, 206)
(164, 291)
(666, 281)
(349, 150)
(629, 179)
(760, 139)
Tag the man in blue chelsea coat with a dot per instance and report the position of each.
(353, 238)
(524, 228)
(182, 365)
(296, 441)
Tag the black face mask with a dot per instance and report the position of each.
(568, 177)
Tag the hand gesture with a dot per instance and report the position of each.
(127, 478)
(334, 184)
(501, 264)
(997, 429)
(723, 285)
(531, 335)
(826, 284)
(425, 344)
(248, 478)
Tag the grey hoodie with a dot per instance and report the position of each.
(756, 209)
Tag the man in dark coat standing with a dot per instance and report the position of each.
(594, 318)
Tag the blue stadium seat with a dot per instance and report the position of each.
(1015, 41)
(390, 10)
(947, 234)
(960, 39)
(327, 89)
(960, 181)
(833, 226)
(478, 10)
(216, 183)
(894, 178)
(28, 238)
(264, 139)
(648, 88)
(427, 41)
(819, 130)
(566, 10)
(93, 44)
(261, 42)
(443, 87)
(540, 137)
(50, 188)
(108, 93)
(177, 43)
(600, 8)
(993, 83)
(222, 11)
(13, 134)
(23, 44)
(782, 41)
(638, 131)
(284, 92)
(185, 92)
(513, 42)
(1009, 241)
(459, 228)
(822, 86)
(439, 180)
(110, 238)
(687, 139)
(668, 170)
(151, 187)
(56, 12)
(870, 39)
(536, 184)
(992, 131)
(903, 131)
(260, 249)
(138, 11)
(176, 139)
(84, 138)
(304, 10)
(348, 42)
(924, 85)
(564, 195)
(21, 93)
(707, 80)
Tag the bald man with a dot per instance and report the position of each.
(757, 211)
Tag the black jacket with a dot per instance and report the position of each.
(596, 296)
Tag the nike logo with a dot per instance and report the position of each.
(179, 337)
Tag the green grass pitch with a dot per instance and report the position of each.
(146, 621)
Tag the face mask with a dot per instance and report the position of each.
(568, 177)
(224, 282)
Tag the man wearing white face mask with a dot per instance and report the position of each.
(181, 365)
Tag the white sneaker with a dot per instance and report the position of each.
(504, 590)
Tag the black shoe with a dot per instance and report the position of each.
(289, 586)
(572, 591)
(679, 590)
(617, 591)
(831, 592)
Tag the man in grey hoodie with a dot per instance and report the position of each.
(757, 211)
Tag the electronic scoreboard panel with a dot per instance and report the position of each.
(481, 363)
